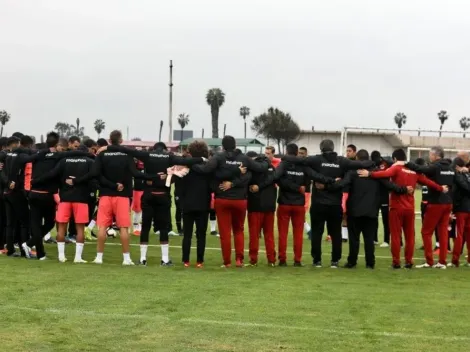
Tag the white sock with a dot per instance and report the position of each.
(99, 256)
(213, 225)
(47, 237)
(78, 251)
(126, 257)
(165, 253)
(344, 233)
(91, 225)
(61, 249)
(437, 244)
(307, 227)
(137, 217)
(143, 252)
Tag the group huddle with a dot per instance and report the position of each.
(65, 184)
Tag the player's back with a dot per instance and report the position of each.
(114, 167)
(403, 177)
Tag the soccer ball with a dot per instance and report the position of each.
(111, 233)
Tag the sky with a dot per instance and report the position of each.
(329, 64)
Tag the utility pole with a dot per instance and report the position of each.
(170, 115)
(225, 128)
(127, 137)
(202, 134)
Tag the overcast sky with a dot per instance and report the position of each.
(330, 63)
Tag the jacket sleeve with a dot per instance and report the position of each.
(318, 177)
(54, 173)
(427, 182)
(355, 164)
(242, 181)
(287, 184)
(142, 155)
(227, 174)
(390, 172)
(342, 184)
(255, 166)
(267, 180)
(208, 167)
(428, 170)
(392, 186)
(94, 173)
(462, 183)
(137, 174)
(178, 160)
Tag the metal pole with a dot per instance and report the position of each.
(202, 133)
(225, 128)
(244, 119)
(170, 115)
(127, 132)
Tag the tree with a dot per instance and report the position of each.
(400, 120)
(244, 112)
(276, 124)
(76, 129)
(100, 126)
(215, 98)
(160, 132)
(464, 124)
(63, 129)
(4, 118)
(183, 121)
(442, 116)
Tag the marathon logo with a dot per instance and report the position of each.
(49, 154)
(233, 162)
(75, 160)
(12, 154)
(448, 173)
(330, 165)
(270, 169)
(116, 154)
(159, 155)
(295, 173)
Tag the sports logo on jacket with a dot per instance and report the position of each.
(330, 165)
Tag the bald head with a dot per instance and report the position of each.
(465, 156)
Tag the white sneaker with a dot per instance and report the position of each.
(43, 258)
(97, 261)
(128, 263)
(376, 243)
(384, 245)
(157, 233)
(423, 266)
(451, 265)
(439, 266)
(172, 233)
(27, 250)
(62, 260)
(79, 261)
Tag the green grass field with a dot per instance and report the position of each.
(47, 306)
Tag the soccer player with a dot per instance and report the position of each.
(361, 203)
(137, 200)
(230, 197)
(3, 216)
(351, 152)
(114, 171)
(261, 207)
(439, 206)
(269, 152)
(402, 207)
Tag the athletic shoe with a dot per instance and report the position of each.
(439, 266)
(396, 266)
(226, 266)
(93, 234)
(423, 266)
(436, 251)
(69, 239)
(157, 233)
(168, 264)
(309, 234)
(452, 265)
(136, 233)
(181, 234)
(143, 262)
(128, 262)
(251, 265)
(282, 264)
(97, 261)
(370, 267)
(172, 233)
(186, 264)
(317, 265)
(79, 261)
(43, 258)
(27, 250)
(239, 263)
(350, 266)
(16, 245)
(467, 265)
(88, 234)
(200, 265)
(345, 240)
(15, 255)
(384, 245)
(334, 265)
(298, 264)
(376, 243)
(408, 266)
(215, 233)
(272, 265)
(50, 241)
(62, 260)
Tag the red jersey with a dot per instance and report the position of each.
(275, 162)
(404, 177)
(28, 171)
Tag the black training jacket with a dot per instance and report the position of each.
(195, 191)
(461, 192)
(440, 172)
(364, 198)
(225, 167)
(264, 200)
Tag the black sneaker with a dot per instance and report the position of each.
(169, 263)
(14, 255)
(317, 264)
(408, 266)
(349, 266)
(143, 262)
(370, 267)
(214, 233)
(334, 265)
(283, 264)
(396, 266)
(298, 264)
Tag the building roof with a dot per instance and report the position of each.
(147, 144)
(217, 142)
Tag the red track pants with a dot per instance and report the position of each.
(462, 232)
(295, 213)
(437, 216)
(256, 223)
(231, 216)
(402, 219)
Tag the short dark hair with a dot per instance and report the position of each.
(82, 148)
(89, 143)
(399, 154)
(52, 139)
(228, 143)
(198, 148)
(251, 154)
(102, 142)
(303, 148)
(420, 161)
(271, 148)
(12, 140)
(459, 162)
(238, 151)
(74, 139)
(26, 141)
(18, 135)
(3, 142)
(375, 156)
(63, 142)
(362, 155)
(292, 149)
(115, 137)
(327, 145)
(439, 151)
(353, 147)
(160, 146)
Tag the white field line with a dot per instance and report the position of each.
(239, 324)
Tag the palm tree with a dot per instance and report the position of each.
(4, 118)
(442, 116)
(76, 129)
(100, 125)
(183, 121)
(63, 129)
(400, 120)
(244, 112)
(215, 98)
(464, 124)
(160, 132)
